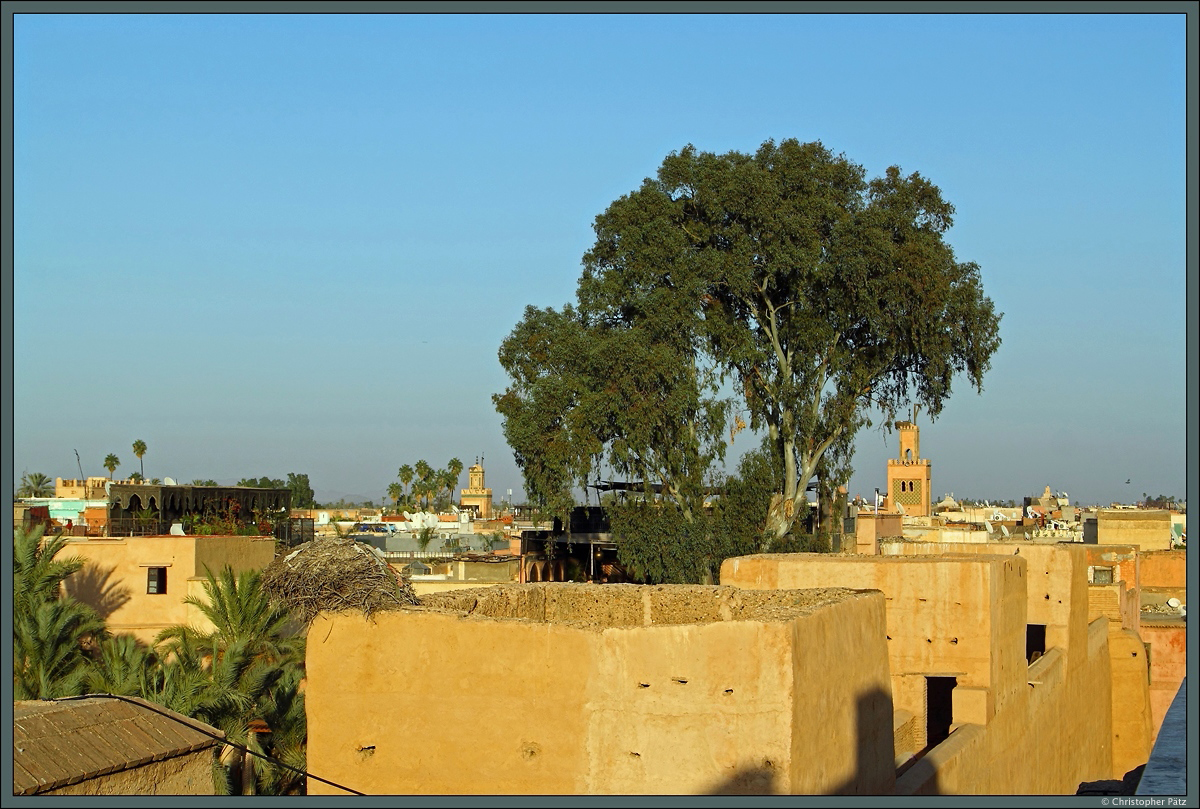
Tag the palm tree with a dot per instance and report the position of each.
(241, 612)
(424, 474)
(395, 491)
(111, 463)
(139, 449)
(406, 476)
(248, 667)
(283, 711)
(453, 469)
(49, 659)
(50, 629)
(125, 666)
(35, 484)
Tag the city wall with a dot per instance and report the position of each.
(615, 689)
(1022, 722)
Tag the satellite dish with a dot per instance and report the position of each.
(168, 481)
(107, 485)
(1004, 530)
(1174, 603)
(989, 527)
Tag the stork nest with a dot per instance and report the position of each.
(335, 575)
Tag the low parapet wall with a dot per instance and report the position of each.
(617, 689)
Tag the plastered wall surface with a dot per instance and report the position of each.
(1132, 727)
(1149, 530)
(614, 689)
(114, 578)
(1167, 638)
(1018, 728)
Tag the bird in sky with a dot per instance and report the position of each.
(1126, 480)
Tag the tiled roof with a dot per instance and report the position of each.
(61, 742)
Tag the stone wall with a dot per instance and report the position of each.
(1017, 728)
(618, 689)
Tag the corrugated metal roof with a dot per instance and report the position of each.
(61, 742)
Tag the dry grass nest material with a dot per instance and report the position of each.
(335, 575)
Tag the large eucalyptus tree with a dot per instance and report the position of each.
(821, 295)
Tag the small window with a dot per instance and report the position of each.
(1102, 575)
(156, 580)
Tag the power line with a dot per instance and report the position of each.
(221, 738)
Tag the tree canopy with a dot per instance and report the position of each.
(432, 489)
(822, 296)
(35, 484)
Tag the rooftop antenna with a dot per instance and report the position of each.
(80, 464)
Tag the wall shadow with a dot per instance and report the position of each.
(93, 585)
(747, 781)
(874, 754)
(874, 746)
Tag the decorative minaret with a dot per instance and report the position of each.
(476, 496)
(909, 478)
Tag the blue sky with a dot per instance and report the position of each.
(272, 243)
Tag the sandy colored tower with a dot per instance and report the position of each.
(477, 496)
(909, 479)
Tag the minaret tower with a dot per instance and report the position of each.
(909, 478)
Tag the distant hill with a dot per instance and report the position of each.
(324, 496)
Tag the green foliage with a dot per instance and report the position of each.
(262, 483)
(822, 295)
(204, 482)
(35, 484)
(248, 667)
(302, 493)
(124, 666)
(746, 498)
(425, 536)
(406, 477)
(240, 611)
(51, 630)
(659, 544)
(1162, 501)
(111, 462)
(598, 385)
(432, 489)
(139, 449)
